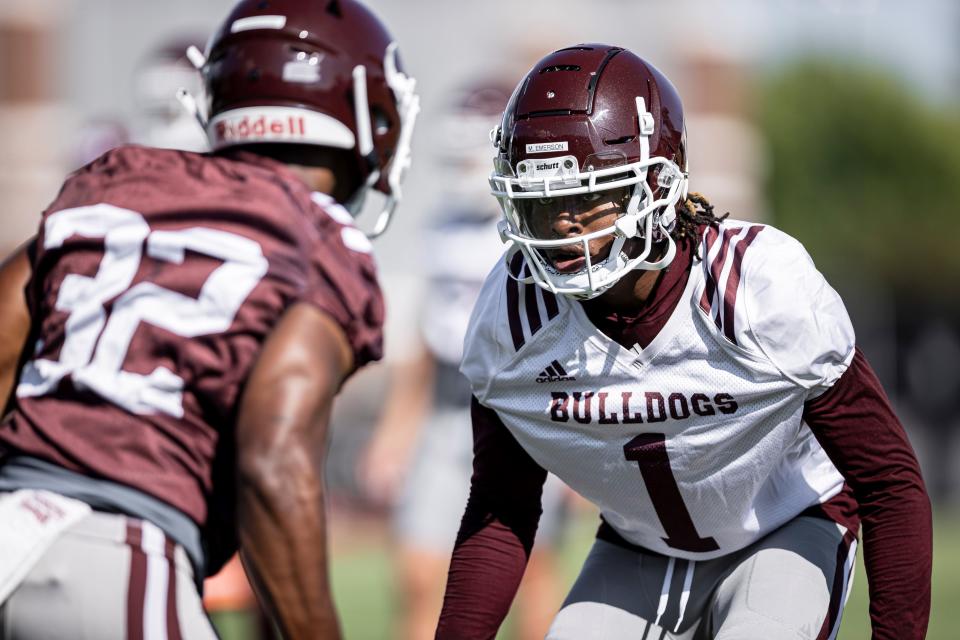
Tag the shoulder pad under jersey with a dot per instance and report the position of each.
(763, 294)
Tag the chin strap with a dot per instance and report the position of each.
(664, 260)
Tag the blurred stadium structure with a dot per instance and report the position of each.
(855, 153)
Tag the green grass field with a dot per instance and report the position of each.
(364, 591)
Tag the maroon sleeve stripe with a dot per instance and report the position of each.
(550, 302)
(716, 268)
(733, 283)
(707, 298)
(713, 274)
(513, 302)
(533, 309)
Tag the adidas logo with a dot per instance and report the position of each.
(554, 373)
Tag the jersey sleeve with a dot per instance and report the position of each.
(792, 315)
(484, 343)
(496, 533)
(857, 427)
(342, 281)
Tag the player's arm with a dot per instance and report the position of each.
(281, 447)
(856, 426)
(496, 534)
(14, 318)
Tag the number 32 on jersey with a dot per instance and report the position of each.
(95, 346)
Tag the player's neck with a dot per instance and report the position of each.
(319, 179)
(630, 294)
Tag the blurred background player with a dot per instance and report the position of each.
(419, 458)
(174, 335)
(161, 121)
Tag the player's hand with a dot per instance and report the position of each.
(382, 468)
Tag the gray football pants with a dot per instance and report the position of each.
(791, 584)
(108, 577)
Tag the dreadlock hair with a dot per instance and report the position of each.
(693, 213)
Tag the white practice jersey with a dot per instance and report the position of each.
(693, 447)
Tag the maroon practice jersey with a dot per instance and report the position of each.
(157, 276)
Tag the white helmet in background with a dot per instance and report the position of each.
(463, 151)
(161, 121)
(462, 235)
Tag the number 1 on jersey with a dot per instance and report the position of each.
(649, 451)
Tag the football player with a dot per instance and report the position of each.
(695, 377)
(187, 321)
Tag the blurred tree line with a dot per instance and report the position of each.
(865, 173)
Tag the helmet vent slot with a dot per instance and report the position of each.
(580, 48)
(595, 77)
(560, 67)
(552, 112)
(623, 140)
(333, 8)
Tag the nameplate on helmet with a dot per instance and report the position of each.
(547, 147)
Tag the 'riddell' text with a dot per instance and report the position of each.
(293, 126)
(634, 408)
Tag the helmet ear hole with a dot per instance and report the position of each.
(381, 121)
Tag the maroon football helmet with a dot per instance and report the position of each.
(316, 72)
(588, 119)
